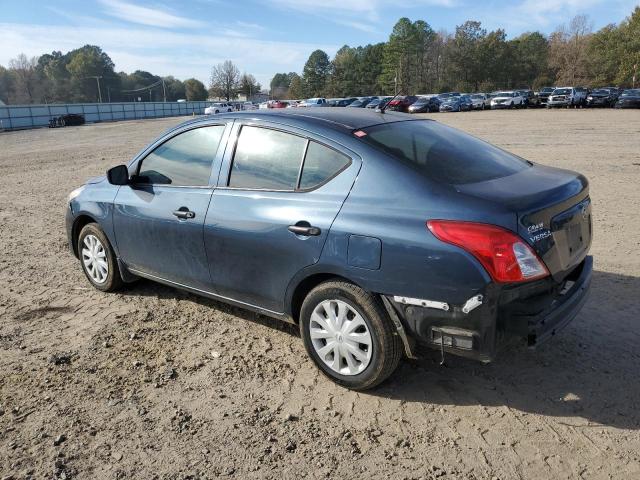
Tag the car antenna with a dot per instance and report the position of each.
(384, 107)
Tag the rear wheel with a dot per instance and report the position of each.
(348, 335)
(98, 259)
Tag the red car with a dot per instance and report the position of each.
(278, 104)
(402, 104)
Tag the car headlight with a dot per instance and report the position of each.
(75, 193)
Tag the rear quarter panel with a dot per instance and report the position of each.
(391, 203)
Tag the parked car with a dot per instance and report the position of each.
(566, 97)
(360, 102)
(425, 105)
(67, 120)
(488, 245)
(314, 102)
(456, 104)
(480, 101)
(530, 98)
(378, 102)
(218, 107)
(629, 99)
(401, 103)
(249, 106)
(543, 95)
(278, 104)
(602, 97)
(507, 99)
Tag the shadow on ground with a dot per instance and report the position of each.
(587, 374)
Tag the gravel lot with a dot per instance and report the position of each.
(156, 383)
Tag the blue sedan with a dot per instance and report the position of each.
(374, 232)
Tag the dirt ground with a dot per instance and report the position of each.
(157, 383)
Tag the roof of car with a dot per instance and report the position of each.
(345, 119)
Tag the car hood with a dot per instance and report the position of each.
(502, 98)
(98, 179)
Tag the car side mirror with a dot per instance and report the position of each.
(118, 175)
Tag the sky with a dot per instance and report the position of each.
(262, 37)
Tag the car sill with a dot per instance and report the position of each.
(213, 296)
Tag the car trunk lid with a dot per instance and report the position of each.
(553, 212)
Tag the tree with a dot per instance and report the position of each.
(6, 84)
(195, 90)
(408, 63)
(25, 78)
(174, 88)
(315, 73)
(296, 88)
(531, 68)
(280, 84)
(248, 85)
(466, 58)
(225, 78)
(568, 51)
(84, 65)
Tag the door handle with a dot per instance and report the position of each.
(184, 213)
(304, 228)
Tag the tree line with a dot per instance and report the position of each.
(417, 59)
(87, 74)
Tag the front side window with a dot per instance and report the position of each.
(266, 159)
(184, 160)
(320, 164)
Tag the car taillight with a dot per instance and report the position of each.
(501, 252)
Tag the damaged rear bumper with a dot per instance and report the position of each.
(533, 312)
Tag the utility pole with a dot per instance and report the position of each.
(97, 77)
(164, 91)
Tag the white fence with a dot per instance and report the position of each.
(32, 116)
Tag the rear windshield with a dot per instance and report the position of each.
(442, 153)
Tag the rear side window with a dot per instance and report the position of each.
(442, 153)
(184, 160)
(320, 164)
(266, 159)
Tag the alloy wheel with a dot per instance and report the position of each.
(340, 337)
(94, 259)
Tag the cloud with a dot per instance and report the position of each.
(147, 16)
(362, 15)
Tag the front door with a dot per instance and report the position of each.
(158, 218)
(277, 197)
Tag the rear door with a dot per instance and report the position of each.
(279, 191)
(159, 217)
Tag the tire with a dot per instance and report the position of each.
(89, 250)
(511, 105)
(375, 362)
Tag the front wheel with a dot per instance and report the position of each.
(98, 259)
(348, 335)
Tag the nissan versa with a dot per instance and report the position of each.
(373, 231)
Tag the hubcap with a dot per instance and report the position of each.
(94, 259)
(340, 337)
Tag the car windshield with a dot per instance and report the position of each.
(477, 95)
(562, 91)
(421, 101)
(442, 153)
(547, 90)
(601, 91)
(504, 94)
(631, 93)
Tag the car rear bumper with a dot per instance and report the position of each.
(532, 312)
